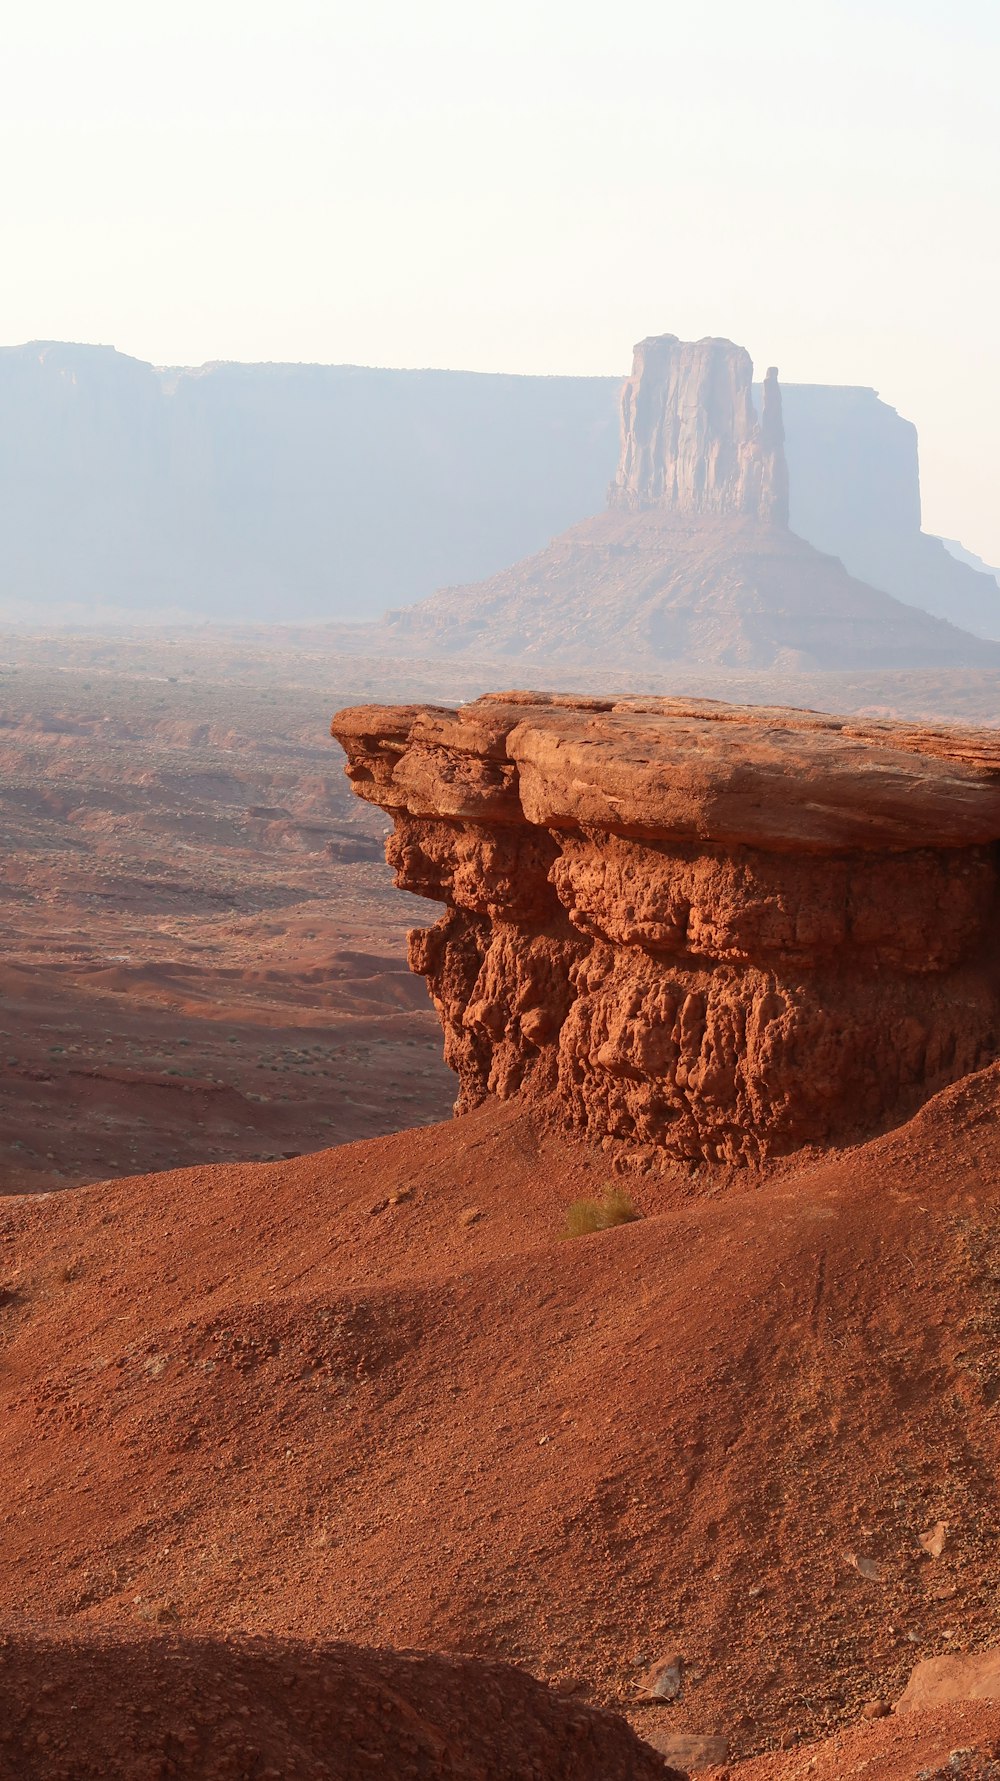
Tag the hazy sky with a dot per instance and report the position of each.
(526, 186)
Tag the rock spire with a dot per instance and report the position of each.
(691, 439)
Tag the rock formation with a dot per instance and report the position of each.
(693, 930)
(855, 492)
(277, 492)
(691, 440)
(269, 492)
(693, 562)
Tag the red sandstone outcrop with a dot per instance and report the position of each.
(691, 439)
(689, 929)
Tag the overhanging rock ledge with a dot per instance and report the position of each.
(695, 930)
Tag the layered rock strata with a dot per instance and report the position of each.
(691, 439)
(693, 560)
(694, 930)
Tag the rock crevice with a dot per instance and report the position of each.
(692, 930)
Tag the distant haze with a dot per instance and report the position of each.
(523, 188)
(275, 492)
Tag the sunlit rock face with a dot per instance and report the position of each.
(691, 438)
(693, 930)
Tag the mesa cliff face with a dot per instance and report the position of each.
(693, 560)
(855, 492)
(276, 492)
(691, 930)
(691, 439)
(288, 491)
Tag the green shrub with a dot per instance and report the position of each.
(585, 1216)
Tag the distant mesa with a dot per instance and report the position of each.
(693, 560)
(968, 557)
(691, 439)
(282, 492)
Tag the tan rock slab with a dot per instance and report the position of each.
(937, 1681)
(688, 1750)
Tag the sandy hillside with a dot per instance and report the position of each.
(371, 1394)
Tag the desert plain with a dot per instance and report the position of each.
(302, 1372)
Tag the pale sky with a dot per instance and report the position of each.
(526, 186)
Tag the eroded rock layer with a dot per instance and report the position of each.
(691, 439)
(694, 930)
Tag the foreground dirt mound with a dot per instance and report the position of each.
(693, 930)
(370, 1394)
(273, 1710)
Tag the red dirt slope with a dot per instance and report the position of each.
(960, 1743)
(370, 1394)
(271, 1710)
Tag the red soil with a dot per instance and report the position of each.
(960, 1743)
(139, 1709)
(277, 1399)
(368, 1394)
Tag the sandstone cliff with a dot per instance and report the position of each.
(855, 492)
(276, 492)
(691, 439)
(693, 562)
(692, 930)
(333, 491)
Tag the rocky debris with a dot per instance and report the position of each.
(103, 1708)
(950, 1744)
(965, 1764)
(655, 588)
(691, 439)
(933, 1541)
(694, 930)
(663, 1682)
(937, 1681)
(865, 1567)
